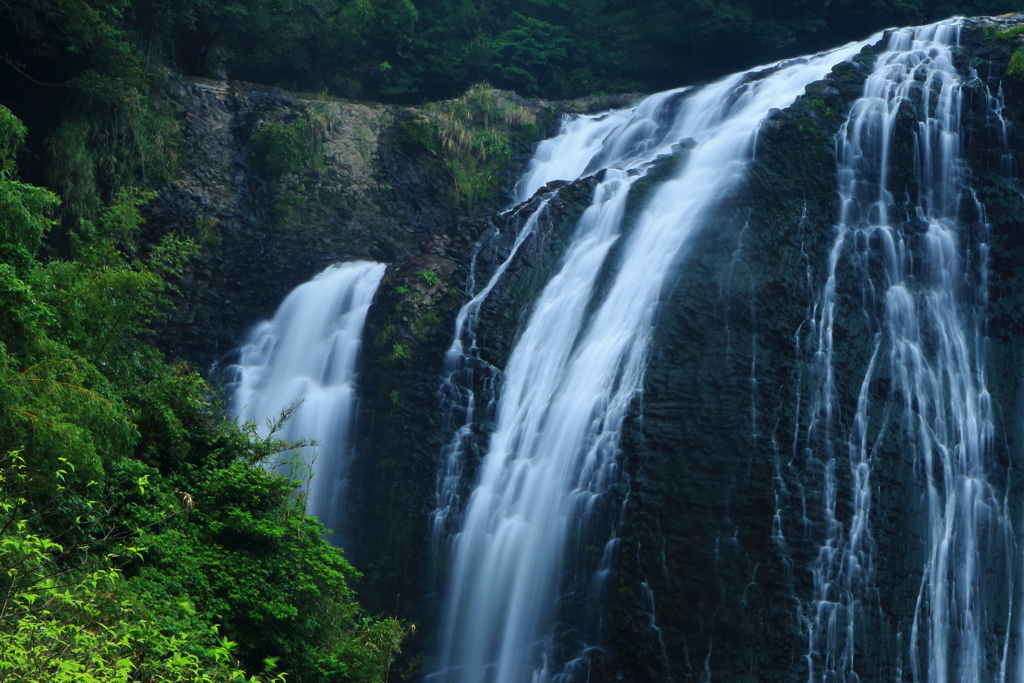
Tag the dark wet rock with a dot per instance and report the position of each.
(715, 456)
(262, 234)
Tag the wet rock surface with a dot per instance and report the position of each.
(376, 196)
(264, 234)
(406, 421)
(721, 504)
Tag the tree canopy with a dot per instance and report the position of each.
(415, 50)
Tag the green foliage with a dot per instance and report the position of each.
(399, 351)
(105, 298)
(402, 289)
(822, 109)
(12, 134)
(115, 130)
(1007, 35)
(257, 564)
(207, 230)
(475, 134)
(420, 134)
(133, 520)
(1016, 68)
(25, 211)
(281, 148)
(278, 148)
(84, 624)
(527, 52)
(428, 277)
(401, 50)
(430, 318)
(25, 215)
(112, 139)
(295, 148)
(286, 205)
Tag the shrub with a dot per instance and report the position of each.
(133, 518)
(1015, 70)
(280, 148)
(428, 277)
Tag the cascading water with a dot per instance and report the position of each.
(306, 357)
(920, 256)
(579, 362)
(460, 362)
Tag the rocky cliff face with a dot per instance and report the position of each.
(718, 460)
(371, 190)
(276, 186)
(405, 419)
(719, 413)
(263, 232)
(713, 459)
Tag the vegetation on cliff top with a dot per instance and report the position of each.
(88, 74)
(141, 537)
(415, 50)
(475, 135)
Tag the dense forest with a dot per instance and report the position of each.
(141, 534)
(86, 75)
(405, 51)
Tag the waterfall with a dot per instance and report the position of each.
(306, 357)
(579, 362)
(918, 251)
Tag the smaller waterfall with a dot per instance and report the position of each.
(306, 357)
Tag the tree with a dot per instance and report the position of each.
(137, 527)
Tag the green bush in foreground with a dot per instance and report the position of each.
(82, 624)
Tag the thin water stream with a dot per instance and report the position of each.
(921, 257)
